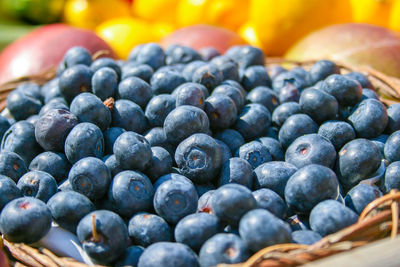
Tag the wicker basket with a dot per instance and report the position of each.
(380, 219)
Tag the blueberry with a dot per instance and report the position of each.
(90, 177)
(380, 143)
(156, 137)
(337, 132)
(231, 201)
(305, 237)
(199, 158)
(369, 119)
(311, 149)
(53, 104)
(295, 126)
(113, 165)
(275, 70)
(310, 185)
(171, 176)
(273, 175)
(25, 219)
(273, 146)
(68, 208)
(8, 191)
(104, 235)
(201, 189)
(146, 229)
(75, 80)
(228, 67)
(292, 78)
(160, 164)
(322, 69)
(204, 203)
(158, 108)
(225, 151)
(284, 111)
(180, 54)
(391, 150)
(207, 53)
(246, 55)
(264, 96)
(330, 216)
(360, 196)
(289, 93)
(168, 254)
(191, 67)
(20, 139)
(271, 201)
(255, 76)
(21, 105)
(51, 90)
(105, 83)
(77, 55)
(190, 94)
(129, 116)
(31, 119)
(254, 153)
(361, 78)
(348, 92)
(55, 164)
(106, 62)
(84, 140)
(235, 84)
(184, 121)
(392, 177)
(233, 92)
(319, 105)
(237, 170)
(142, 71)
(135, 90)
(165, 81)
(393, 124)
(232, 138)
(174, 199)
(12, 165)
(368, 93)
(89, 108)
(31, 89)
(223, 248)
(132, 151)
(130, 257)
(195, 229)
(256, 236)
(357, 160)
(151, 54)
(208, 75)
(4, 125)
(221, 111)
(110, 135)
(253, 121)
(130, 192)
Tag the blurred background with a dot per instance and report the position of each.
(274, 26)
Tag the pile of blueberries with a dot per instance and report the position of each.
(179, 157)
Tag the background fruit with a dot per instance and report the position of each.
(358, 44)
(90, 13)
(199, 36)
(371, 11)
(292, 19)
(41, 49)
(156, 10)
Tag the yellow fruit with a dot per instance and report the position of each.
(156, 10)
(90, 13)
(162, 29)
(279, 24)
(123, 34)
(230, 14)
(249, 34)
(394, 22)
(372, 11)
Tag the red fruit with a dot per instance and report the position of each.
(3, 260)
(199, 36)
(44, 48)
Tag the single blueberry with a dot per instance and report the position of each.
(225, 151)
(135, 90)
(255, 76)
(348, 92)
(180, 54)
(53, 104)
(8, 191)
(264, 96)
(113, 165)
(291, 78)
(273, 146)
(361, 78)
(253, 121)
(151, 54)
(289, 93)
(236, 170)
(254, 153)
(361, 195)
(393, 124)
(75, 80)
(156, 137)
(320, 106)
(110, 135)
(207, 53)
(165, 81)
(160, 164)
(392, 177)
(55, 164)
(190, 94)
(337, 132)
(106, 62)
(221, 111)
(158, 108)
(191, 67)
(392, 147)
(368, 93)
(246, 55)
(305, 237)
(105, 83)
(12, 165)
(234, 93)
(21, 105)
(228, 67)
(322, 69)
(142, 71)
(77, 55)
(129, 116)
(284, 111)
(271, 201)
(296, 126)
(208, 75)
(232, 138)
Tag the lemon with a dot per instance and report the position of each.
(372, 11)
(230, 14)
(279, 24)
(156, 10)
(394, 22)
(90, 13)
(122, 34)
